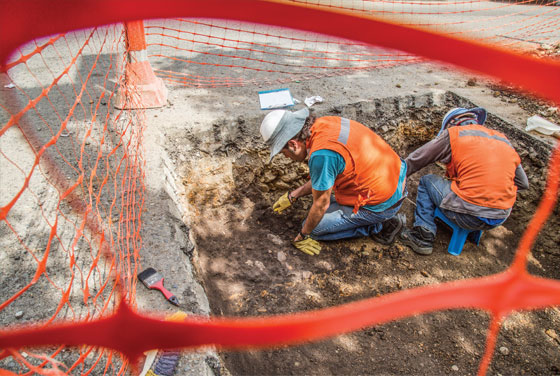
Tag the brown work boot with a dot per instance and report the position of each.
(390, 230)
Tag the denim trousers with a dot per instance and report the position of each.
(339, 222)
(431, 191)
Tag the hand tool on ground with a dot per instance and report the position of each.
(154, 280)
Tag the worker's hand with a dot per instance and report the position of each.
(282, 203)
(307, 245)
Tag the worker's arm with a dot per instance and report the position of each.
(324, 167)
(321, 202)
(304, 190)
(521, 178)
(437, 150)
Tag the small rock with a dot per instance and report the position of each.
(384, 129)
(282, 185)
(306, 274)
(398, 85)
(424, 273)
(296, 364)
(312, 295)
(261, 310)
(289, 177)
(324, 265)
(269, 176)
(260, 266)
(19, 314)
(471, 82)
(504, 350)
(275, 239)
(551, 333)
(281, 256)
(454, 368)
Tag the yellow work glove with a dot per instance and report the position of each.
(282, 203)
(308, 245)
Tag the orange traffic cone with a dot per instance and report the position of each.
(140, 87)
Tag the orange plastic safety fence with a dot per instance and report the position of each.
(79, 180)
(72, 190)
(256, 54)
(218, 53)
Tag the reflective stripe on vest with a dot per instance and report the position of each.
(344, 131)
(469, 132)
(482, 166)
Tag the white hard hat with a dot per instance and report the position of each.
(270, 122)
(280, 126)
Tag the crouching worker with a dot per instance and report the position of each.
(345, 158)
(484, 173)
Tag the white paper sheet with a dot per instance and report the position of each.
(279, 98)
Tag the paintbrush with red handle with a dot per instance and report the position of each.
(154, 280)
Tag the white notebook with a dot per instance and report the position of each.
(278, 98)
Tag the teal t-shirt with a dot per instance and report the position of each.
(325, 165)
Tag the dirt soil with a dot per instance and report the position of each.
(249, 268)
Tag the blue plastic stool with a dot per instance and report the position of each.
(459, 235)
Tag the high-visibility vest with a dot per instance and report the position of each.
(372, 168)
(482, 167)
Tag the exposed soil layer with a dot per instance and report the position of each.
(249, 268)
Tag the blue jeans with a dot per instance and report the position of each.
(339, 222)
(431, 191)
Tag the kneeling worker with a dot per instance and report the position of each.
(345, 157)
(484, 173)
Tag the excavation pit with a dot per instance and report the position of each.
(248, 266)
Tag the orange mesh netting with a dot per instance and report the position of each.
(77, 181)
(71, 185)
(228, 53)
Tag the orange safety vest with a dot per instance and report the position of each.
(372, 168)
(482, 166)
